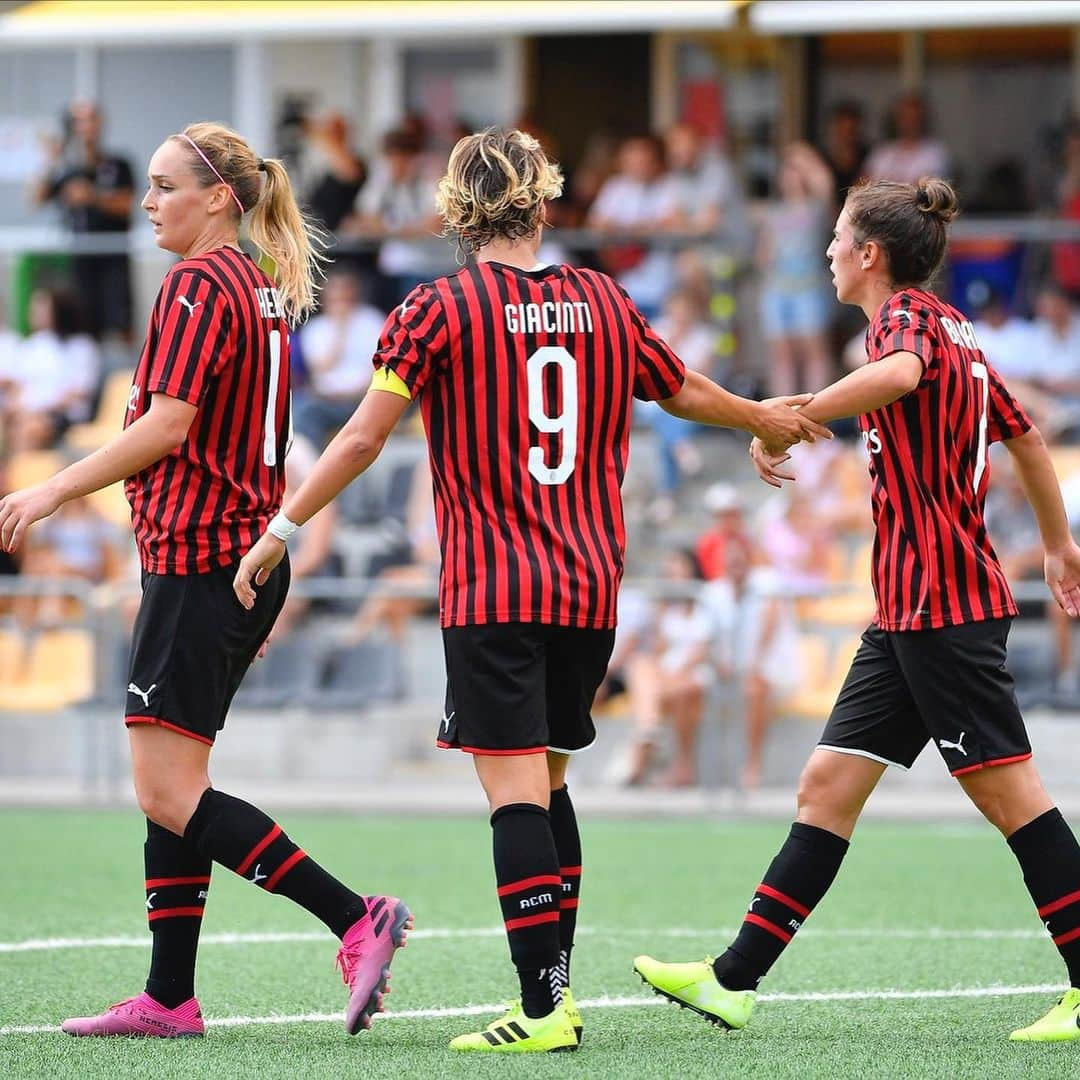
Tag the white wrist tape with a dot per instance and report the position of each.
(281, 527)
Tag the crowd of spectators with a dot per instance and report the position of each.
(737, 285)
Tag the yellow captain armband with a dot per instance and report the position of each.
(385, 379)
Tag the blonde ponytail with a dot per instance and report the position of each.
(275, 222)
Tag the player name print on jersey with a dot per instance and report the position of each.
(549, 317)
(269, 303)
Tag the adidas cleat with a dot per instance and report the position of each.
(141, 1016)
(573, 1014)
(695, 986)
(1060, 1024)
(365, 954)
(517, 1033)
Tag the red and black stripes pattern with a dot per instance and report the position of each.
(776, 912)
(216, 340)
(1062, 918)
(571, 886)
(270, 859)
(176, 897)
(531, 901)
(529, 514)
(933, 562)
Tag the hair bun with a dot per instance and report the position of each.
(936, 196)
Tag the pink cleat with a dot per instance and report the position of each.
(365, 955)
(142, 1016)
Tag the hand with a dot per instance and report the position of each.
(78, 192)
(20, 509)
(256, 565)
(779, 424)
(1062, 570)
(768, 465)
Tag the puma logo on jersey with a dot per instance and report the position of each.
(188, 304)
(144, 694)
(405, 307)
(905, 314)
(958, 745)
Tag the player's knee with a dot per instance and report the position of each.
(824, 802)
(165, 805)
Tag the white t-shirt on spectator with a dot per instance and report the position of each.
(1056, 356)
(49, 370)
(1010, 348)
(401, 206)
(907, 164)
(352, 373)
(696, 348)
(624, 201)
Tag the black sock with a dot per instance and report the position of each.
(564, 828)
(177, 881)
(241, 837)
(1049, 857)
(794, 884)
(529, 885)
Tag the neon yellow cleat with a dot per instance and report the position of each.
(694, 986)
(1060, 1024)
(517, 1033)
(573, 1014)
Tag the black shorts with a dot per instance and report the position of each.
(521, 688)
(192, 645)
(948, 685)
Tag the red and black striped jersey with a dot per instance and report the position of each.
(217, 339)
(933, 562)
(526, 381)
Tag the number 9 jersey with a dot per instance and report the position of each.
(218, 340)
(933, 562)
(526, 381)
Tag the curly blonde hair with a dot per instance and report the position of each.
(496, 185)
(276, 223)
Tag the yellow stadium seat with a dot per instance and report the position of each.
(59, 671)
(1066, 460)
(110, 415)
(112, 505)
(12, 658)
(815, 698)
(32, 467)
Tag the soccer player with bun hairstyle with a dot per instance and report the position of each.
(202, 457)
(525, 374)
(931, 667)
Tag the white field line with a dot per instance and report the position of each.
(930, 933)
(601, 1003)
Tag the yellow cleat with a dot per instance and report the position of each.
(573, 1014)
(1060, 1024)
(517, 1033)
(694, 986)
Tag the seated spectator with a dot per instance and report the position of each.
(642, 196)
(708, 192)
(398, 202)
(795, 301)
(756, 645)
(333, 172)
(416, 567)
(1055, 344)
(668, 678)
(57, 373)
(725, 503)
(910, 153)
(634, 619)
(337, 346)
(845, 150)
(75, 543)
(683, 326)
(794, 539)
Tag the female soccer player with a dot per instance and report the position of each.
(525, 374)
(932, 665)
(202, 454)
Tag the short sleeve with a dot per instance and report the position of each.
(195, 326)
(658, 372)
(125, 178)
(905, 327)
(1005, 416)
(413, 340)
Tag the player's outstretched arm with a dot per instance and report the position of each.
(156, 433)
(1036, 473)
(352, 450)
(780, 421)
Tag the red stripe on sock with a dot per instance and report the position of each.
(528, 883)
(283, 869)
(570, 871)
(161, 882)
(566, 904)
(258, 849)
(776, 894)
(1064, 939)
(1057, 905)
(175, 913)
(773, 929)
(531, 920)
